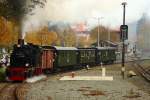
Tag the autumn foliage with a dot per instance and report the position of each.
(105, 34)
(8, 36)
(9, 31)
(44, 36)
(41, 37)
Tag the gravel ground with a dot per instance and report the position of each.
(53, 89)
(140, 81)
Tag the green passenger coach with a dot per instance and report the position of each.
(87, 56)
(65, 56)
(105, 55)
(112, 54)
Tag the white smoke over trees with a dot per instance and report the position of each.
(85, 10)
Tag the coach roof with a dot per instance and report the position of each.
(65, 48)
(105, 48)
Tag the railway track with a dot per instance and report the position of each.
(8, 92)
(143, 70)
(15, 91)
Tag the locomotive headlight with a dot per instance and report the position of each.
(8, 64)
(18, 45)
(26, 64)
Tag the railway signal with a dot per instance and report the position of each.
(124, 32)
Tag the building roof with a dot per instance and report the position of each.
(90, 48)
(115, 44)
(106, 43)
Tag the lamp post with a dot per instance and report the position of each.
(98, 30)
(123, 44)
(108, 31)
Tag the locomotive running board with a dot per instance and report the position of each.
(94, 78)
(35, 79)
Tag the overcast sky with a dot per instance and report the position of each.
(87, 10)
(110, 10)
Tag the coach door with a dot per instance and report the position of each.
(47, 59)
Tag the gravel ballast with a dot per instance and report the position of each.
(54, 89)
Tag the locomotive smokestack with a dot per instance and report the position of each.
(21, 42)
(20, 36)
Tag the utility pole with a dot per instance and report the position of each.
(98, 30)
(123, 44)
(108, 30)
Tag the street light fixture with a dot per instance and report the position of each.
(124, 11)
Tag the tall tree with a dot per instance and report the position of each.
(17, 9)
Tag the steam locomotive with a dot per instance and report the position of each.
(28, 60)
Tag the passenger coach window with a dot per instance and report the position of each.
(106, 53)
(89, 53)
(93, 54)
(85, 54)
(67, 55)
(99, 53)
(63, 54)
(82, 54)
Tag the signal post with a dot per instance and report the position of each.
(123, 37)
